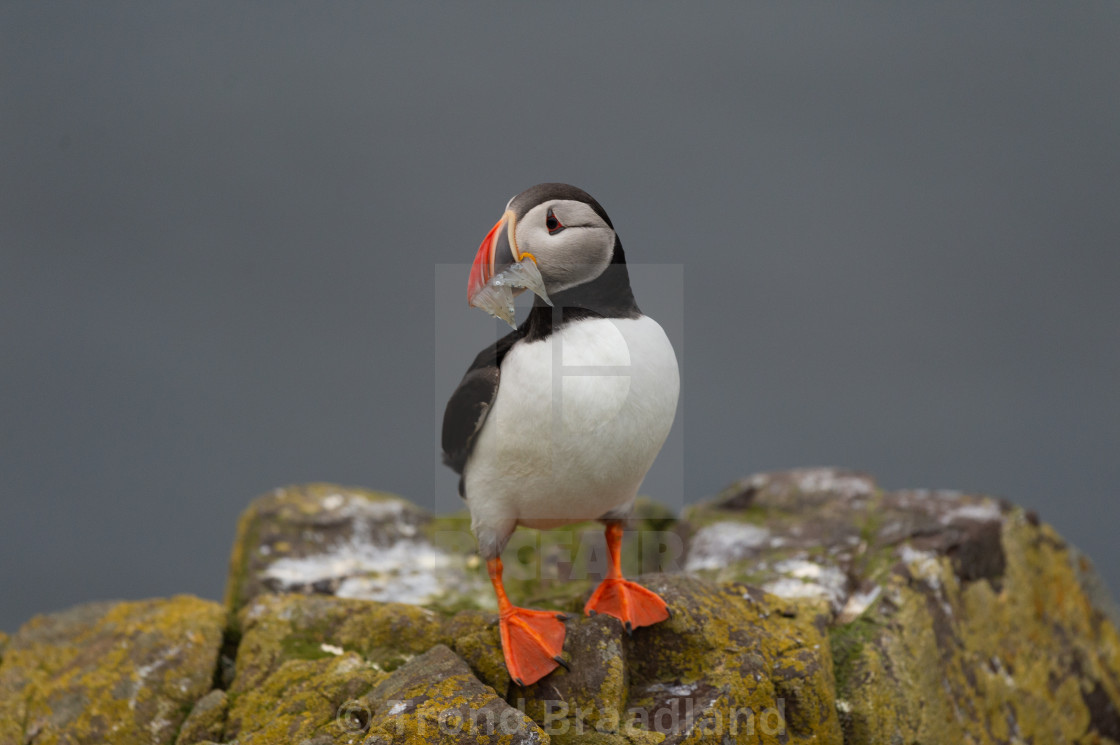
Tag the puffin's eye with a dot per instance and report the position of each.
(552, 224)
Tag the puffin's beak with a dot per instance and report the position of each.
(498, 250)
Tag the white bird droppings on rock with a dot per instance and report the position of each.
(787, 587)
(986, 511)
(925, 562)
(924, 566)
(678, 689)
(716, 546)
(858, 603)
(802, 578)
(406, 571)
(849, 485)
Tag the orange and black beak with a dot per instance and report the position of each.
(498, 251)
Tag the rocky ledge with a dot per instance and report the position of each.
(808, 606)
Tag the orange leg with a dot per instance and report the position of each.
(531, 639)
(627, 601)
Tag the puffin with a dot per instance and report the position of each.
(560, 420)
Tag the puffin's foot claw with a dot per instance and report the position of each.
(563, 663)
(532, 641)
(629, 602)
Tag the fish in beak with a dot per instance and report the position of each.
(500, 272)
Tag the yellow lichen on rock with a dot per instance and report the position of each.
(475, 638)
(280, 628)
(684, 677)
(207, 720)
(109, 673)
(436, 699)
(301, 699)
(808, 606)
(733, 662)
(1021, 658)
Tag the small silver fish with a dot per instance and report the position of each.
(496, 297)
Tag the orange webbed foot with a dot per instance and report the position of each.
(627, 601)
(532, 641)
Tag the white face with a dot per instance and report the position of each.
(577, 250)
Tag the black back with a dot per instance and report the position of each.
(470, 403)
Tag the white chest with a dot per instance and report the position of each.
(577, 423)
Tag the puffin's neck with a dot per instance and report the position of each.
(607, 296)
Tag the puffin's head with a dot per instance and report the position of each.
(559, 228)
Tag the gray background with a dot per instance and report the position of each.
(884, 237)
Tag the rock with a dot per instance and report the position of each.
(333, 540)
(1021, 655)
(279, 628)
(665, 678)
(474, 637)
(207, 720)
(956, 618)
(435, 697)
(328, 670)
(808, 606)
(303, 700)
(793, 533)
(834, 535)
(343, 656)
(109, 672)
(759, 671)
(591, 696)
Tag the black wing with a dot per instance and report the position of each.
(470, 403)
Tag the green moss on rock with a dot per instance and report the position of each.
(847, 642)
